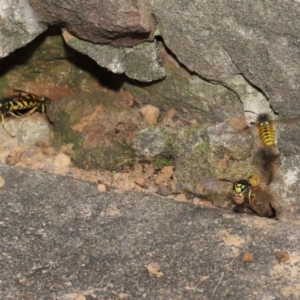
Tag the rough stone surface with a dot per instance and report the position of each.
(139, 62)
(101, 126)
(259, 40)
(19, 25)
(151, 141)
(191, 96)
(229, 44)
(285, 186)
(221, 38)
(119, 23)
(62, 239)
(26, 131)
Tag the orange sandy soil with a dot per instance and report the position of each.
(141, 177)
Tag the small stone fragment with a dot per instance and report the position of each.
(247, 257)
(181, 198)
(62, 160)
(148, 171)
(164, 191)
(101, 187)
(123, 181)
(171, 113)
(123, 296)
(194, 122)
(67, 149)
(150, 113)
(154, 270)
(283, 256)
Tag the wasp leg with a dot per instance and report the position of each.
(45, 114)
(3, 124)
(23, 115)
(49, 120)
(14, 115)
(251, 198)
(223, 198)
(31, 111)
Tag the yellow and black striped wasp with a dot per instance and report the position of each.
(257, 198)
(245, 188)
(266, 127)
(20, 104)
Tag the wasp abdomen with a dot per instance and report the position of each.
(267, 135)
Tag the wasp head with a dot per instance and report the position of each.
(240, 187)
(263, 120)
(45, 100)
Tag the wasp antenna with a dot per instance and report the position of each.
(251, 112)
(17, 90)
(227, 180)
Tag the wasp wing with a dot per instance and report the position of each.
(26, 95)
(287, 121)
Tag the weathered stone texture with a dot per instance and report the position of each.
(62, 239)
(116, 22)
(217, 39)
(258, 39)
(19, 25)
(139, 62)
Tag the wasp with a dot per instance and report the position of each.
(240, 189)
(22, 103)
(251, 194)
(259, 199)
(266, 127)
(244, 189)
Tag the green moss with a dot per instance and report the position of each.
(159, 162)
(104, 157)
(63, 132)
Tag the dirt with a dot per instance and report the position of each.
(247, 257)
(150, 113)
(140, 177)
(154, 270)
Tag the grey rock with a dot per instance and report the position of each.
(285, 186)
(139, 62)
(219, 40)
(224, 139)
(28, 131)
(142, 63)
(61, 238)
(120, 23)
(19, 25)
(151, 141)
(188, 94)
(254, 102)
(225, 38)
